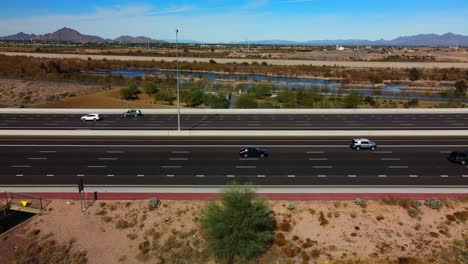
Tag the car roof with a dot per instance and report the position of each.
(361, 139)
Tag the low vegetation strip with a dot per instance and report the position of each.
(289, 62)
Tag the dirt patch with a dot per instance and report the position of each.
(30, 93)
(129, 232)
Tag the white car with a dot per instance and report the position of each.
(91, 117)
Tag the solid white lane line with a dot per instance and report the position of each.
(94, 166)
(19, 175)
(171, 167)
(170, 175)
(180, 152)
(20, 166)
(315, 152)
(382, 176)
(178, 158)
(37, 158)
(321, 176)
(115, 151)
(445, 152)
(248, 159)
(322, 167)
(397, 167)
(50, 175)
(246, 167)
(390, 158)
(107, 158)
(413, 176)
(48, 151)
(140, 175)
(318, 159)
(383, 152)
(224, 146)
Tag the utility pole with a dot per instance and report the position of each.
(178, 97)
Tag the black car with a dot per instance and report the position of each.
(253, 152)
(132, 112)
(459, 156)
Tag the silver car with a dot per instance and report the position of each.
(363, 143)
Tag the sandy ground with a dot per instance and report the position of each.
(324, 231)
(26, 93)
(355, 64)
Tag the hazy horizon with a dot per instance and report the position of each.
(234, 21)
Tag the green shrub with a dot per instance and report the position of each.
(240, 227)
(361, 202)
(434, 203)
(353, 214)
(291, 206)
(154, 203)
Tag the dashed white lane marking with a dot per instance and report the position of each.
(321, 176)
(110, 175)
(413, 176)
(390, 158)
(261, 176)
(246, 167)
(20, 166)
(200, 175)
(114, 151)
(397, 167)
(180, 152)
(37, 158)
(322, 167)
(315, 152)
(383, 152)
(352, 175)
(465, 176)
(291, 176)
(50, 175)
(178, 158)
(230, 176)
(19, 175)
(445, 152)
(171, 167)
(140, 175)
(248, 159)
(80, 175)
(382, 176)
(107, 158)
(94, 166)
(444, 176)
(318, 159)
(170, 175)
(48, 151)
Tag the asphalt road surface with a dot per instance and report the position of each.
(216, 161)
(242, 122)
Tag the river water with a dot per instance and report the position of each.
(389, 90)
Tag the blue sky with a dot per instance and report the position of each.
(226, 20)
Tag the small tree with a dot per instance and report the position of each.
(415, 74)
(461, 88)
(150, 88)
(166, 95)
(238, 228)
(352, 100)
(193, 97)
(129, 92)
(246, 101)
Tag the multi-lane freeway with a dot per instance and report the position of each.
(216, 161)
(241, 122)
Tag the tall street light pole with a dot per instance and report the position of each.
(178, 97)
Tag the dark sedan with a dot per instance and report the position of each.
(253, 152)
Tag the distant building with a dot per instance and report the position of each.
(340, 48)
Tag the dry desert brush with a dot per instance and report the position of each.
(238, 228)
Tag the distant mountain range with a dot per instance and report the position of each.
(447, 40)
(71, 35)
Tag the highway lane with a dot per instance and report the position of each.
(215, 161)
(241, 122)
